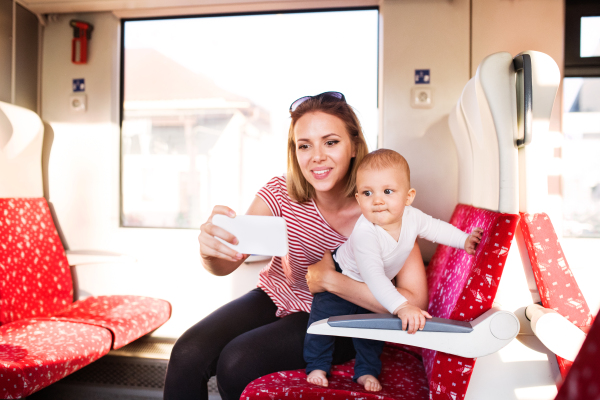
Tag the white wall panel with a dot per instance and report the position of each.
(430, 35)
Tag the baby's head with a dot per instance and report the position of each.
(383, 186)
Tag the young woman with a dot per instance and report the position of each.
(263, 331)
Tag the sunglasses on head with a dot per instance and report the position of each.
(325, 96)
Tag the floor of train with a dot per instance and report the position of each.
(134, 372)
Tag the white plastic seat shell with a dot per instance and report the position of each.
(21, 141)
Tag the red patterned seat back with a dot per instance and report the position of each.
(35, 275)
(462, 287)
(584, 375)
(557, 287)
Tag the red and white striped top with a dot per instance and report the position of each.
(309, 235)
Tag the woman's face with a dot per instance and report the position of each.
(324, 150)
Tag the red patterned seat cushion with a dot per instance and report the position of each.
(462, 287)
(402, 377)
(555, 282)
(583, 379)
(34, 272)
(34, 353)
(127, 317)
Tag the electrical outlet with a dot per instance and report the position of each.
(421, 97)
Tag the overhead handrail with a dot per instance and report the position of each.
(524, 106)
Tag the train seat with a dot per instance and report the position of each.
(557, 286)
(539, 246)
(582, 380)
(461, 287)
(36, 353)
(36, 294)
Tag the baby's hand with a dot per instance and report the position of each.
(412, 317)
(473, 240)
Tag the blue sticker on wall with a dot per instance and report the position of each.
(79, 85)
(422, 76)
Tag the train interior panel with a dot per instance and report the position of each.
(127, 125)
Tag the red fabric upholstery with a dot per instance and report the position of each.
(127, 317)
(34, 354)
(583, 380)
(35, 275)
(36, 282)
(402, 377)
(556, 284)
(462, 287)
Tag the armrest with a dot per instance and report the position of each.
(485, 335)
(82, 257)
(556, 332)
(391, 322)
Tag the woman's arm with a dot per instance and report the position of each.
(217, 258)
(411, 281)
(322, 277)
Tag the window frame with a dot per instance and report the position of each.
(575, 65)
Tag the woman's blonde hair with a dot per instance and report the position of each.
(298, 187)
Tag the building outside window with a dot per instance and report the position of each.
(205, 113)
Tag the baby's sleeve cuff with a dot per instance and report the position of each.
(397, 303)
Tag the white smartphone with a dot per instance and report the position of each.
(257, 234)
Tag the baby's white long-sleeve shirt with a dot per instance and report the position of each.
(371, 254)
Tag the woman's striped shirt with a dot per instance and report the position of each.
(309, 235)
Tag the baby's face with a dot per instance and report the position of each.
(383, 194)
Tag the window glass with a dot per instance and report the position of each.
(590, 37)
(581, 161)
(205, 111)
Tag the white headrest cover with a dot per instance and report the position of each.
(21, 139)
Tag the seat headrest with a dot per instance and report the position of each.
(18, 128)
(21, 141)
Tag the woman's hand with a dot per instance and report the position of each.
(318, 274)
(210, 247)
(217, 258)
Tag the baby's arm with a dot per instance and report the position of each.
(444, 233)
(367, 254)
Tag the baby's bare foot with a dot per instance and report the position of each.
(370, 383)
(318, 377)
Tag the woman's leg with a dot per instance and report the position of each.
(195, 354)
(277, 346)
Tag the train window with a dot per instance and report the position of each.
(581, 164)
(590, 37)
(582, 38)
(205, 103)
(581, 120)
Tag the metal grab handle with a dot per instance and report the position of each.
(523, 62)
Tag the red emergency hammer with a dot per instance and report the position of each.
(82, 32)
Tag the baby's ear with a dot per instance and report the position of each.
(410, 197)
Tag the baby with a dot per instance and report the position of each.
(380, 243)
